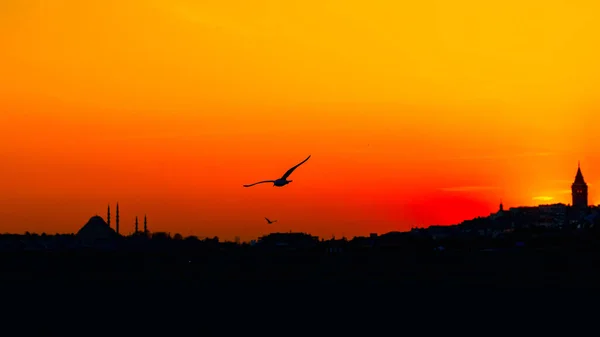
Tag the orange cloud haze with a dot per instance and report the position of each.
(415, 113)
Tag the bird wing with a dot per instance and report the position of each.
(260, 182)
(269, 221)
(287, 174)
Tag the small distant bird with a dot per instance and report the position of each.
(269, 221)
(283, 180)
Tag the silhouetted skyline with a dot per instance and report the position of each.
(579, 210)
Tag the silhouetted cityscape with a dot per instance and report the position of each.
(546, 243)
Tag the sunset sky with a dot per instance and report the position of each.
(415, 112)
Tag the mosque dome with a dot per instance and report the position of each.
(96, 229)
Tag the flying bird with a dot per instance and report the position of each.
(269, 221)
(283, 180)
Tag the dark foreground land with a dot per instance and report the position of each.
(478, 283)
(508, 268)
(300, 289)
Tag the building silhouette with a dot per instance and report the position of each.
(579, 191)
(96, 232)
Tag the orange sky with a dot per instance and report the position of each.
(415, 113)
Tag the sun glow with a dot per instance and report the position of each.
(543, 198)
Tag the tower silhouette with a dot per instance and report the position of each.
(136, 225)
(145, 225)
(108, 216)
(117, 220)
(579, 191)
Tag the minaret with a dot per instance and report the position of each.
(579, 191)
(145, 225)
(501, 206)
(117, 219)
(108, 216)
(136, 225)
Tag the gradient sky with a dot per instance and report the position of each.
(414, 112)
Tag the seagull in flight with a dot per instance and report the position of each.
(269, 221)
(283, 180)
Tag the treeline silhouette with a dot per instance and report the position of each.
(523, 257)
